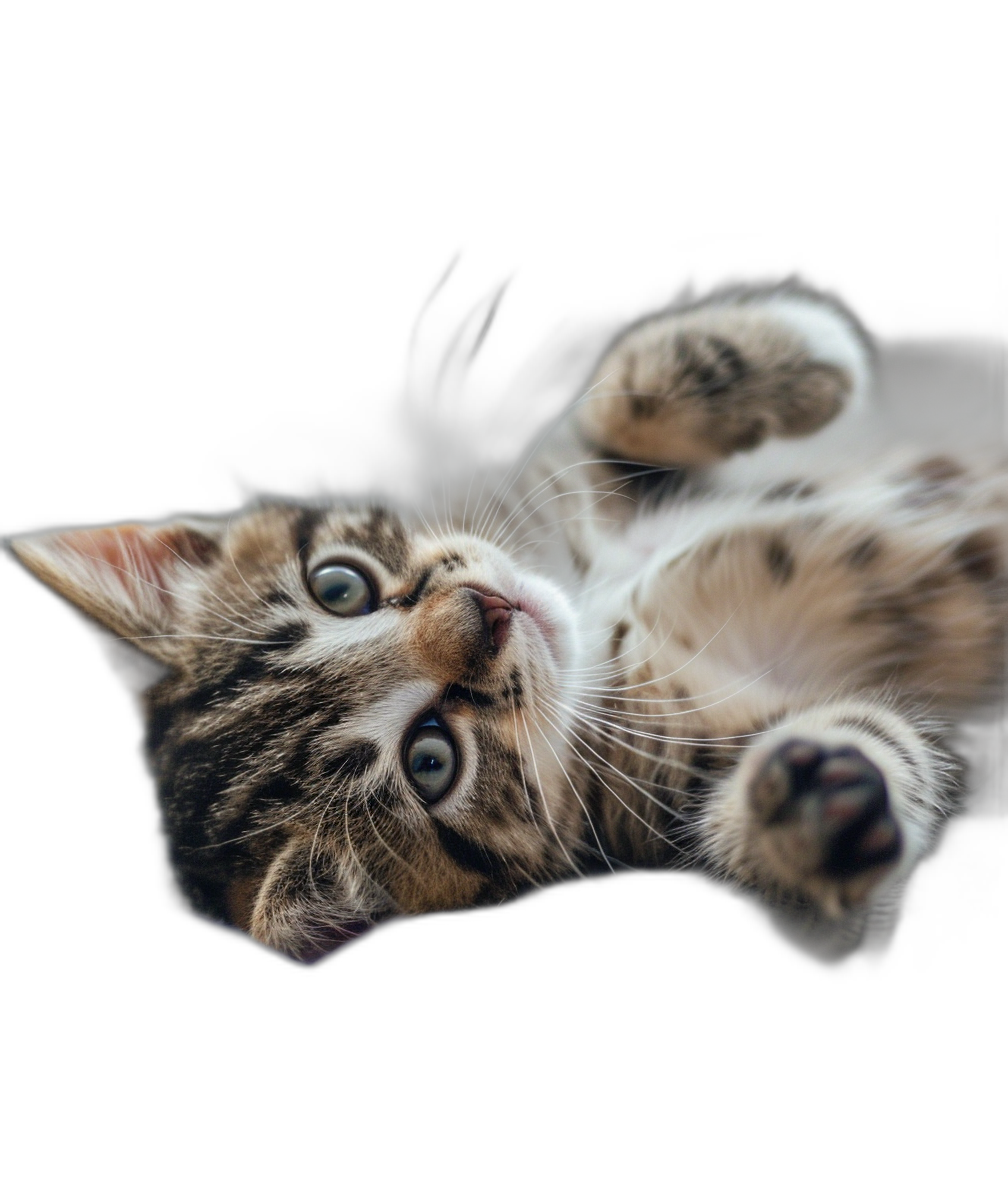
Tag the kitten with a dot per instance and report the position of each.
(364, 714)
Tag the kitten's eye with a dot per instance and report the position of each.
(430, 761)
(342, 590)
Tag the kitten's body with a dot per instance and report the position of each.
(631, 664)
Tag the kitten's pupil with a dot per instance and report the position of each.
(430, 761)
(341, 589)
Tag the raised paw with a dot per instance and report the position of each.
(824, 822)
(694, 386)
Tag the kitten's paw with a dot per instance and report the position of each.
(824, 822)
(695, 386)
(833, 810)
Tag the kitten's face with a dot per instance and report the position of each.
(361, 719)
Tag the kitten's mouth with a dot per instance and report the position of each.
(543, 621)
(529, 600)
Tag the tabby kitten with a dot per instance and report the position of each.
(368, 711)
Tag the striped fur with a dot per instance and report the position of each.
(761, 682)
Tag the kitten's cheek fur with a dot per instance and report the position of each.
(553, 617)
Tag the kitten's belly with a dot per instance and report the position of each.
(688, 615)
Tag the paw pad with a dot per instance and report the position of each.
(828, 808)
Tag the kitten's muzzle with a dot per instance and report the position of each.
(460, 632)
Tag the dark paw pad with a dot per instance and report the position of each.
(829, 807)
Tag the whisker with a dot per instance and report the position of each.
(234, 564)
(199, 637)
(560, 843)
(134, 575)
(580, 800)
(634, 783)
(205, 586)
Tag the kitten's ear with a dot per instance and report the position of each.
(135, 580)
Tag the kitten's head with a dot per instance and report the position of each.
(360, 718)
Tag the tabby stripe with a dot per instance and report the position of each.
(780, 560)
(455, 692)
(621, 629)
(412, 597)
(305, 526)
(351, 762)
(381, 537)
(472, 856)
(873, 729)
(247, 672)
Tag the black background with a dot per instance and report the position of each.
(214, 304)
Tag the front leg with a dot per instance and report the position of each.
(682, 388)
(691, 386)
(829, 806)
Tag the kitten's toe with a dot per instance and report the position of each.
(826, 821)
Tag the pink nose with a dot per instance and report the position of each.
(496, 616)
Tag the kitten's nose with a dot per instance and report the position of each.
(496, 613)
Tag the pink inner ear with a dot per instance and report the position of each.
(133, 551)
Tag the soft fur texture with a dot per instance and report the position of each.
(761, 683)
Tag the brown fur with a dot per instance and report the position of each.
(764, 691)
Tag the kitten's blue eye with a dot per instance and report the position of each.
(342, 590)
(430, 761)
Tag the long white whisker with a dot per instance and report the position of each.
(584, 808)
(542, 794)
